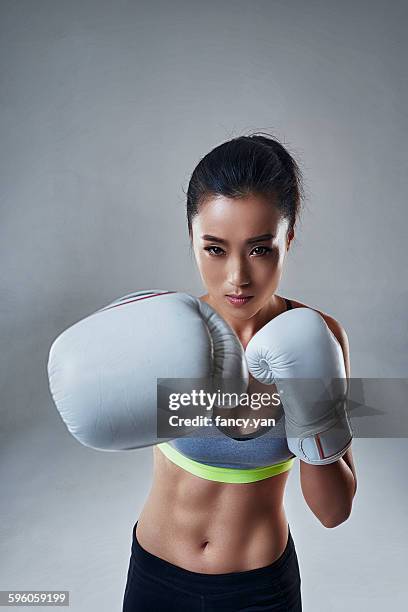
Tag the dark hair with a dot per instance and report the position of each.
(247, 165)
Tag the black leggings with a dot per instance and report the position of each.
(154, 584)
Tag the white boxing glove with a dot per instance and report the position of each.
(298, 352)
(103, 370)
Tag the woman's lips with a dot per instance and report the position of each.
(239, 301)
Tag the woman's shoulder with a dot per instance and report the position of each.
(333, 324)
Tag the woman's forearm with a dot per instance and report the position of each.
(328, 491)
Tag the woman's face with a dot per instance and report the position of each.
(240, 246)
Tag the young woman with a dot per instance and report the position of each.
(213, 534)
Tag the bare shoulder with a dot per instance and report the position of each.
(336, 328)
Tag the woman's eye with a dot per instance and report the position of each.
(212, 249)
(259, 251)
(265, 250)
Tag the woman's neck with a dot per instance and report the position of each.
(247, 328)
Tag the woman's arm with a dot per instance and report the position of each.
(329, 489)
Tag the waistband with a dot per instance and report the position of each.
(148, 563)
(221, 474)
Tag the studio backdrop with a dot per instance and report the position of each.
(106, 108)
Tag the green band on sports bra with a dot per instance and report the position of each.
(220, 474)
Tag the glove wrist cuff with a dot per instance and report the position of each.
(325, 446)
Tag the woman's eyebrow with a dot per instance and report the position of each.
(261, 238)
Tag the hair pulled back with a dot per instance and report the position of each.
(248, 165)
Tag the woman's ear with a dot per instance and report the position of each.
(290, 236)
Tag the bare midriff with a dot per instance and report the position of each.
(212, 527)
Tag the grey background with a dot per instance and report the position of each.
(106, 107)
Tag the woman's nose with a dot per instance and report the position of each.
(238, 274)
